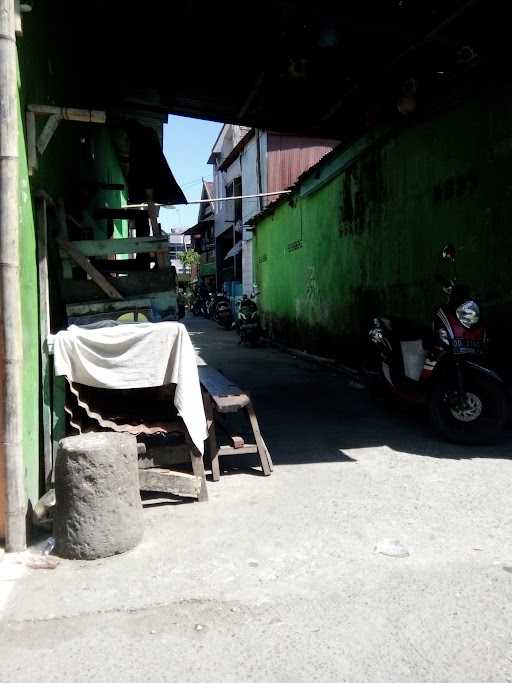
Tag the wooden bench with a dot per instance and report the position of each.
(222, 396)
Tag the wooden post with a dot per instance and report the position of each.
(11, 332)
(162, 258)
(198, 468)
(266, 461)
(44, 331)
(58, 411)
(31, 142)
(212, 436)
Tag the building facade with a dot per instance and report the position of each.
(178, 245)
(249, 161)
(203, 238)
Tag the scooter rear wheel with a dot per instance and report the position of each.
(478, 419)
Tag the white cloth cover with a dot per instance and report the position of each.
(134, 356)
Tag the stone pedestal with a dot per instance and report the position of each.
(98, 510)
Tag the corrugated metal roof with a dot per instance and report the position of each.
(135, 411)
(289, 156)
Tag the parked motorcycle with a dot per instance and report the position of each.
(445, 366)
(222, 311)
(209, 305)
(248, 321)
(197, 307)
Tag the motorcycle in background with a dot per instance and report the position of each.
(248, 321)
(445, 366)
(222, 311)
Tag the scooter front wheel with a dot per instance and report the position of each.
(477, 417)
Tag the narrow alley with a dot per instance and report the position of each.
(277, 578)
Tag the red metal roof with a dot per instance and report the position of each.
(288, 156)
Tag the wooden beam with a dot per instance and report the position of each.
(90, 308)
(133, 284)
(162, 259)
(58, 411)
(128, 265)
(79, 258)
(102, 212)
(229, 450)
(127, 245)
(164, 456)
(44, 331)
(47, 133)
(31, 142)
(167, 481)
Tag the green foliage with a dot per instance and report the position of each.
(190, 258)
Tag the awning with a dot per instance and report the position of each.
(234, 250)
(148, 167)
(199, 228)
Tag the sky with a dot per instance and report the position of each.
(187, 146)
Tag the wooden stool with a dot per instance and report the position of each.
(222, 396)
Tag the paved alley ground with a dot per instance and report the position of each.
(276, 579)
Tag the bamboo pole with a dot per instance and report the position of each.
(11, 455)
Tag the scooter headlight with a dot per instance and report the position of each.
(468, 313)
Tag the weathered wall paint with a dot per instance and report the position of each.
(30, 319)
(368, 241)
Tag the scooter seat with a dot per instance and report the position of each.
(410, 330)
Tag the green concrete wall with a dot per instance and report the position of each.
(30, 321)
(368, 240)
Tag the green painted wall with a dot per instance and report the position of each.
(369, 239)
(30, 321)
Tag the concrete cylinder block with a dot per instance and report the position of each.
(98, 509)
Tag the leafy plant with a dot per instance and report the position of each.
(190, 258)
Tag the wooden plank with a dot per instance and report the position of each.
(103, 212)
(153, 210)
(67, 270)
(163, 302)
(84, 263)
(31, 142)
(90, 308)
(167, 481)
(48, 131)
(228, 398)
(44, 331)
(165, 456)
(230, 404)
(247, 449)
(125, 245)
(58, 412)
(121, 266)
(134, 284)
(216, 383)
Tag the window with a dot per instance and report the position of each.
(234, 189)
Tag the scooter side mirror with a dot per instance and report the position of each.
(449, 252)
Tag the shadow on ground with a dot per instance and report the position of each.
(309, 413)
